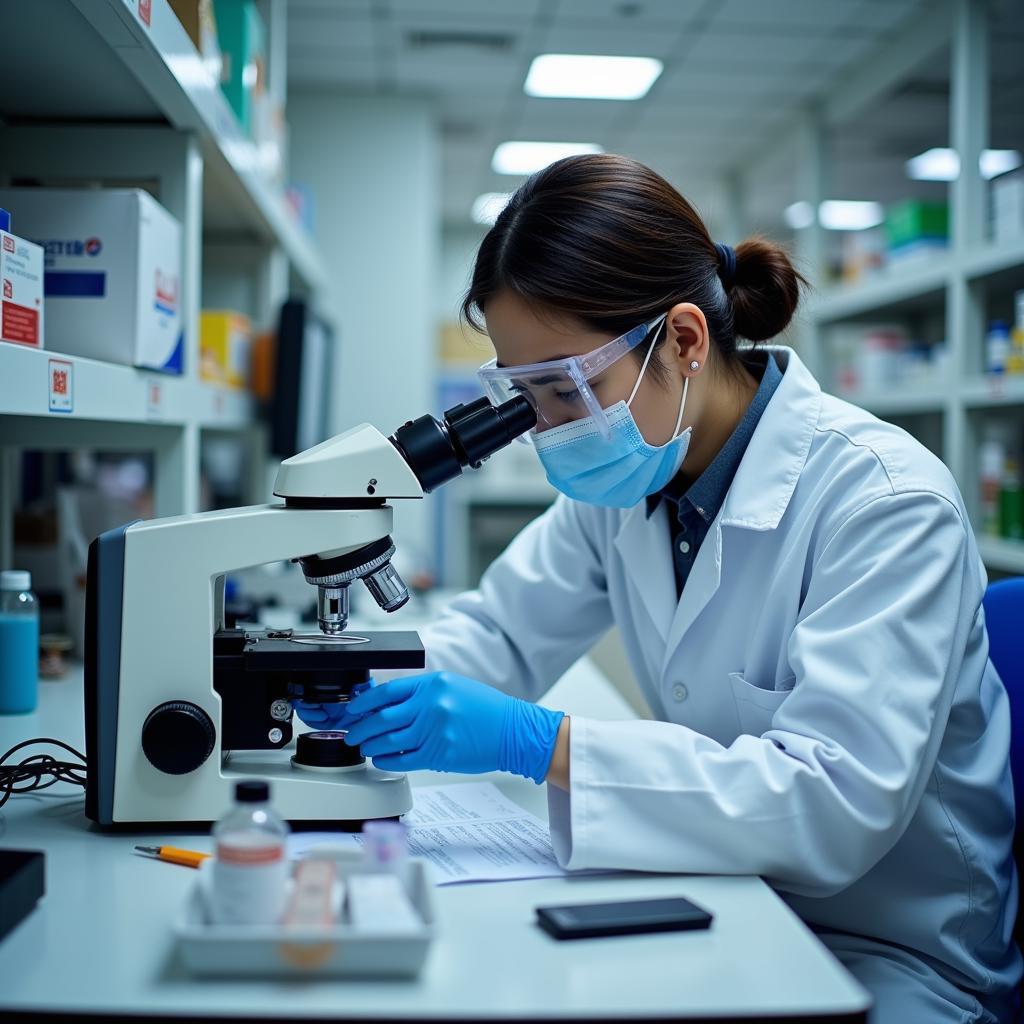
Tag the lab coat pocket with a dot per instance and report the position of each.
(756, 705)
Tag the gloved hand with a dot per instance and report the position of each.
(329, 717)
(448, 723)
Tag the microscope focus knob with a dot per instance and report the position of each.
(177, 737)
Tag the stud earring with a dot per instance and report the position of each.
(694, 365)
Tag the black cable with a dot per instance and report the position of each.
(39, 771)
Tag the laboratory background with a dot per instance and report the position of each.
(351, 163)
(233, 229)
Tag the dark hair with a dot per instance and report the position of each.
(610, 242)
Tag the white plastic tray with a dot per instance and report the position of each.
(272, 950)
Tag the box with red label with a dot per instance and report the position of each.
(112, 273)
(21, 301)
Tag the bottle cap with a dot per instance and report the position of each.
(15, 579)
(252, 791)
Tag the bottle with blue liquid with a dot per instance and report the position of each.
(19, 644)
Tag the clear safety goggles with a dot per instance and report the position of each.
(560, 390)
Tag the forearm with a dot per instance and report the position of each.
(558, 770)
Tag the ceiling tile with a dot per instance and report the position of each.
(883, 16)
(345, 70)
(300, 9)
(741, 52)
(549, 116)
(324, 32)
(658, 43)
(474, 10)
(799, 15)
(459, 74)
(627, 15)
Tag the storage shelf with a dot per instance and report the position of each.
(994, 258)
(170, 70)
(887, 292)
(991, 392)
(142, 73)
(1004, 555)
(882, 295)
(113, 393)
(898, 402)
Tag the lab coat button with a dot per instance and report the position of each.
(684, 546)
(680, 692)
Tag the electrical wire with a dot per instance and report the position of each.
(39, 771)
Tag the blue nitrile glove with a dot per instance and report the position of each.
(448, 723)
(329, 716)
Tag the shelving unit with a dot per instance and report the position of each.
(952, 285)
(114, 91)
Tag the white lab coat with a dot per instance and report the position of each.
(829, 718)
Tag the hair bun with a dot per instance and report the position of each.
(765, 290)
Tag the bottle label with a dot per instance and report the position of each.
(228, 853)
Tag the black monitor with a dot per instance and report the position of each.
(304, 356)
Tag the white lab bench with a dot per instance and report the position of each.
(99, 943)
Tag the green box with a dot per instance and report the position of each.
(915, 219)
(242, 39)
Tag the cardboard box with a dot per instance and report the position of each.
(914, 220)
(225, 348)
(242, 38)
(1007, 206)
(112, 282)
(197, 18)
(21, 299)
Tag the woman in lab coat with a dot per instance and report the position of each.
(796, 584)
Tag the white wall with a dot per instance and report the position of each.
(458, 251)
(372, 165)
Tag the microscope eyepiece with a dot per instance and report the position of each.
(437, 451)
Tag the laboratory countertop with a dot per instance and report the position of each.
(99, 944)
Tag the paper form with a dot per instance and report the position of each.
(469, 832)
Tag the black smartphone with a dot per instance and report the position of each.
(589, 920)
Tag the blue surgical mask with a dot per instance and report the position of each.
(614, 472)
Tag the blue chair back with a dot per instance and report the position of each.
(1004, 618)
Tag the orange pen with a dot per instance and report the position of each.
(171, 854)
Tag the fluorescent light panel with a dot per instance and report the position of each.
(836, 214)
(486, 207)
(527, 157)
(942, 164)
(591, 77)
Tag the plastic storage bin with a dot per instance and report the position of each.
(275, 951)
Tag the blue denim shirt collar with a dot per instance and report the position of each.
(706, 494)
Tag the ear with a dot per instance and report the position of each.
(687, 339)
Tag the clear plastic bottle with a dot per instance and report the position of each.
(19, 644)
(250, 869)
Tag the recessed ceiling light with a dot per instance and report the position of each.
(527, 157)
(835, 214)
(486, 207)
(943, 164)
(799, 215)
(850, 214)
(582, 76)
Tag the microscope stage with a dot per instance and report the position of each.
(354, 650)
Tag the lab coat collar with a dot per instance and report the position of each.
(775, 457)
(757, 500)
(653, 578)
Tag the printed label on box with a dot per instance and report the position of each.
(19, 322)
(62, 385)
(146, 11)
(154, 400)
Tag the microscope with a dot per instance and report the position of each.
(178, 707)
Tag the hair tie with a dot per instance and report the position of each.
(726, 264)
